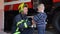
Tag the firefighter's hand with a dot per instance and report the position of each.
(33, 26)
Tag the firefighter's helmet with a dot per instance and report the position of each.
(21, 6)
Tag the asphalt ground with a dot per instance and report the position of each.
(35, 32)
(51, 31)
(48, 31)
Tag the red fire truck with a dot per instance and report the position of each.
(52, 10)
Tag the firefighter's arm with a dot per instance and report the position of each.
(33, 22)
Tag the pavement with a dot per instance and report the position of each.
(3, 33)
(47, 32)
(35, 32)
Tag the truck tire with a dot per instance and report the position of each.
(56, 21)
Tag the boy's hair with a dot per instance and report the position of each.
(40, 5)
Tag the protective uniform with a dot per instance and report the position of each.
(40, 20)
(21, 23)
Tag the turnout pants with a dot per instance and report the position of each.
(27, 31)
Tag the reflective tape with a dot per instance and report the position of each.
(17, 29)
(20, 22)
(25, 25)
(17, 32)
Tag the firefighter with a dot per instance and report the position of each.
(21, 24)
(40, 19)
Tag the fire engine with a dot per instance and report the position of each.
(52, 8)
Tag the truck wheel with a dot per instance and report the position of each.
(56, 21)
